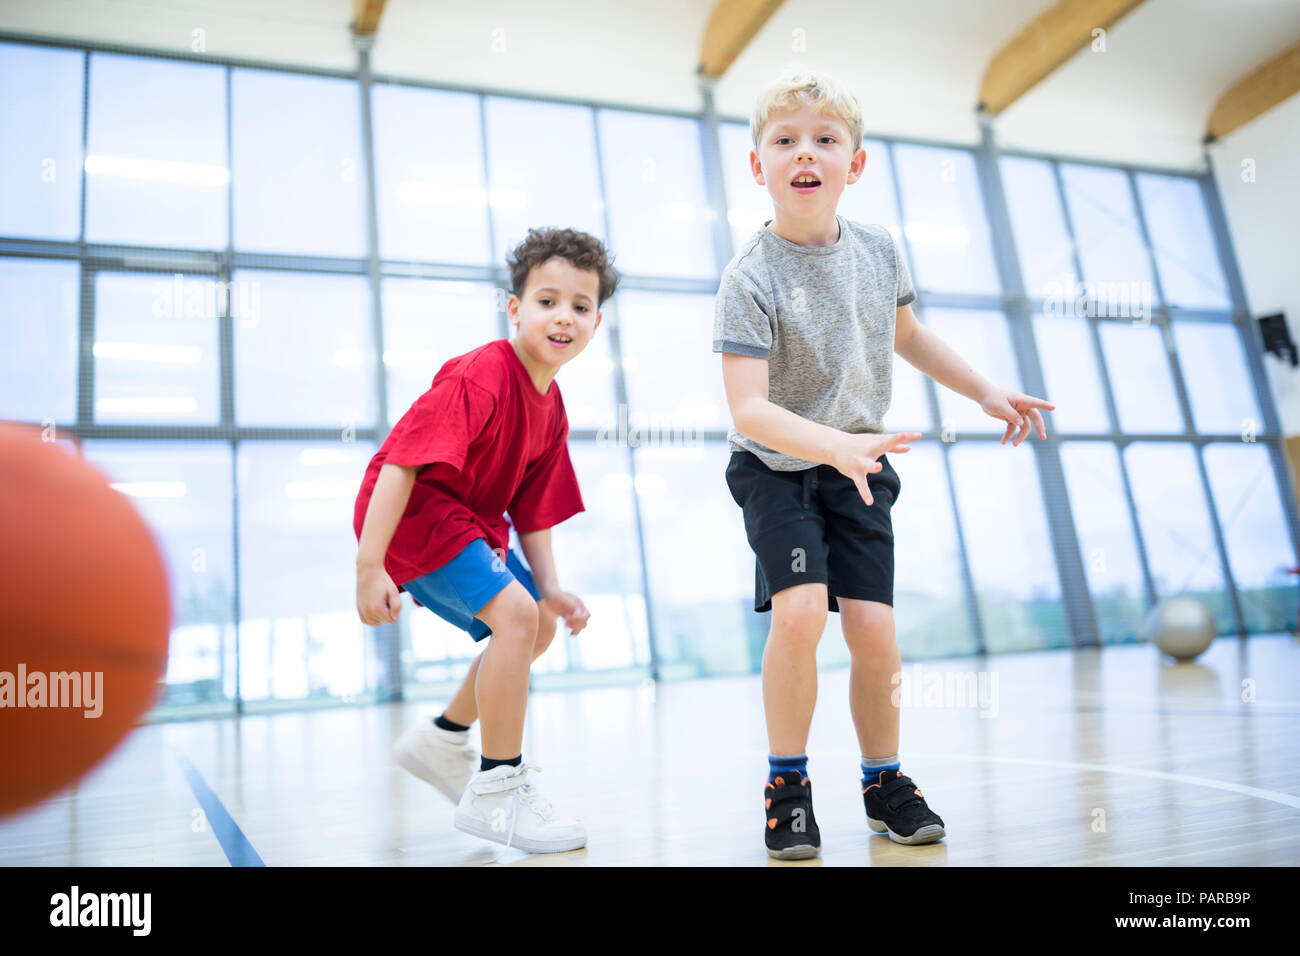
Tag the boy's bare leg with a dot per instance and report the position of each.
(869, 633)
(463, 708)
(501, 684)
(790, 666)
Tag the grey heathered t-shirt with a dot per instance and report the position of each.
(823, 317)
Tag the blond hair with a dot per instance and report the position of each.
(814, 89)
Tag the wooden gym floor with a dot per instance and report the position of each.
(1080, 758)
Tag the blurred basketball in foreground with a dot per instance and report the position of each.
(85, 613)
(1182, 627)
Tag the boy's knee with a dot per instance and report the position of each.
(545, 632)
(512, 615)
(868, 626)
(869, 616)
(800, 612)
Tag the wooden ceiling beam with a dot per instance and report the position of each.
(368, 14)
(1043, 44)
(732, 24)
(1275, 81)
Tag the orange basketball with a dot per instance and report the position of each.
(83, 591)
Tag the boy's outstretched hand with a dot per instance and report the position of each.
(854, 456)
(1018, 411)
(568, 607)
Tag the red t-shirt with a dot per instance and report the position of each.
(492, 444)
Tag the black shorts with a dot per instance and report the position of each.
(812, 526)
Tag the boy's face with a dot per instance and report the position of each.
(559, 302)
(801, 144)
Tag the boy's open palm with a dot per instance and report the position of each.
(856, 456)
(378, 601)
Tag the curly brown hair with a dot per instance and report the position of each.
(579, 249)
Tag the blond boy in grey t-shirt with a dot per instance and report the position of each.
(809, 315)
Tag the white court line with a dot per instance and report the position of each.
(1284, 709)
(1171, 853)
(1276, 796)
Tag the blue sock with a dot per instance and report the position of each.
(871, 767)
(778, 765)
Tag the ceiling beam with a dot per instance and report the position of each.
(732, 24)
(1240, 103)
(1043, 44)
(368, 12)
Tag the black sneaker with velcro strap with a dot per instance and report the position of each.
(896, 806)
(791, 829)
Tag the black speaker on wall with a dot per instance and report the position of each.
(1277, 337)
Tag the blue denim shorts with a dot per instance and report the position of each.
(464, 585)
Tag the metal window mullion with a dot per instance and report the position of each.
(968, 300)
(1209, 316)
(86, 346)
(1254, 353)
(620, 391)
(41, 248)
(85, 414)
(969, 594)
(326, 434)
(1112, 409)
(714, 179)
(1075, 593)
(389, 633)
(226, 273)
(503, 320)
(235, 570)
(85, 146)
(1180, 387)
(226, 378)
(669, 284)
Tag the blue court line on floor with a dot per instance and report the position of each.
(233, 842)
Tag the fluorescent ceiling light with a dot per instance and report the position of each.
(150, 489)
(158, 170)
(148, 352)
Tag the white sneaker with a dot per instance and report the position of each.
(504, 805)
(443, 758)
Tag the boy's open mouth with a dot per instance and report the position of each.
(805, 183)
(560, 338)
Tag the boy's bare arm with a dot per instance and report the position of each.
(763, 421)
(924, 350)
(536, 546)
(387, 503)
(928, 353)
(757, 418)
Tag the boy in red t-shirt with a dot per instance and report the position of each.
(488, 438)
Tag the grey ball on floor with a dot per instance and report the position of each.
(1182, 627)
